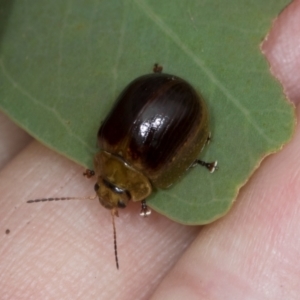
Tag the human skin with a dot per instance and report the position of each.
(64, 250)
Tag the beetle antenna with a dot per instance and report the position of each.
(114, 212)
(61, 198)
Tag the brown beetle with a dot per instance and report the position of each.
(152, 136)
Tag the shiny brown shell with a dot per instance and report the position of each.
(158, 126)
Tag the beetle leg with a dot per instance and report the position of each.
(157, 68)
(89, 173)
(145, 210)
(211, 166)
(208, 138)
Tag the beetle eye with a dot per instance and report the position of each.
(96, 187)
(121, 204)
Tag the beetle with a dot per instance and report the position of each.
(151, 137)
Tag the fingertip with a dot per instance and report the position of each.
(281, 48)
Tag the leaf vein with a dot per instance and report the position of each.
(62, 121)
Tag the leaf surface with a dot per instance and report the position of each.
(63, 63)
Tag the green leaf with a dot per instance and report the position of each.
(63, 63)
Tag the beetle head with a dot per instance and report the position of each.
(118, 182)
(110, 195)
